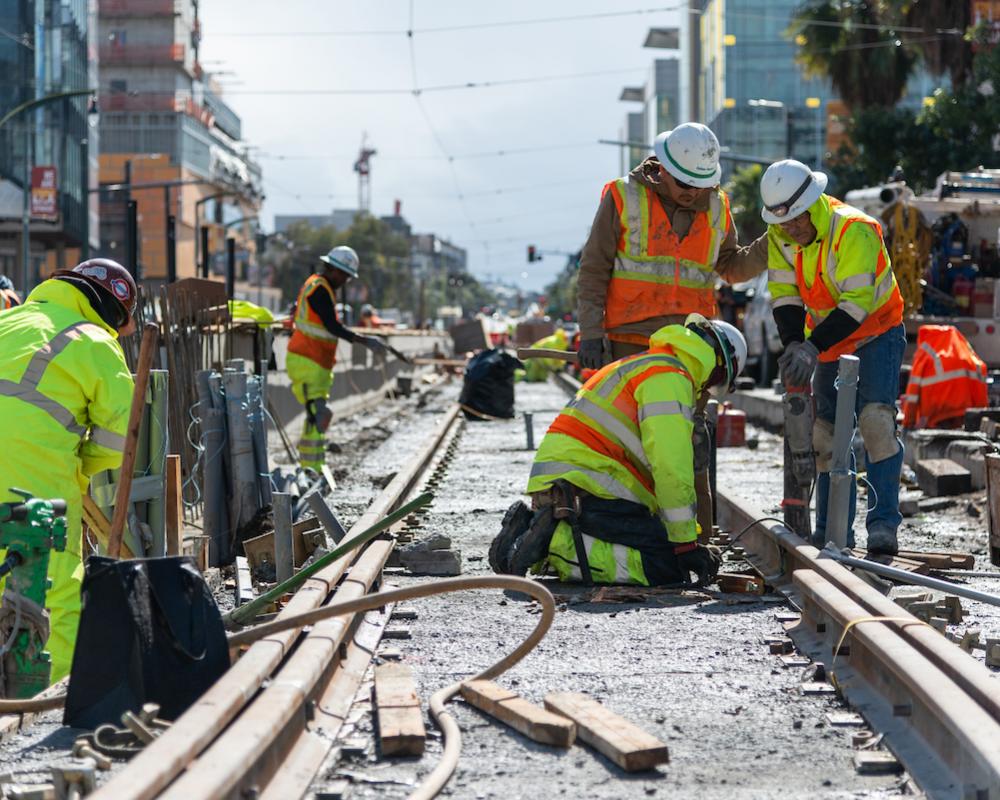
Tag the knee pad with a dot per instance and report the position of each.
(823, 444)
(877, 424)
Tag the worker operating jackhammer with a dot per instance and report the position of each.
(612, 487)
(312, 351)
(663, 236)
(834, 293)
(65, 397)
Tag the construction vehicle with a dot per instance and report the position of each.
(29, 531)
(944, 251)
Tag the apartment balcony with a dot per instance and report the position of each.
(142, 102)
(142, 54)
(137, 8)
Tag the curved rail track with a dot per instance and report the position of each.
(937, 707)
(264, 729)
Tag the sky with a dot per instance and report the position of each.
(305, 100)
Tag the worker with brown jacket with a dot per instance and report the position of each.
(663, 235)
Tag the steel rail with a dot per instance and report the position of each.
(177, 749)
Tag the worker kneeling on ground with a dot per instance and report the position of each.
(65, 397)
(312, 351)
(612, 487)
(833, 293)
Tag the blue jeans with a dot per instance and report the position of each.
(878, 382)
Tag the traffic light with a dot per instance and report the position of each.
(533, 254)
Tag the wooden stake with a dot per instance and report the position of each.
(400, 722)
(511, 709)
(99, 525)
(150, 334)
(175, 507)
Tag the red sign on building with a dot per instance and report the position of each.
(44, 193)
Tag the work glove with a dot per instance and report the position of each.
(591, 354)
(798, 363)
(701, 560)
(373, 343)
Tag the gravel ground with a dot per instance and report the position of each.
(692, 669)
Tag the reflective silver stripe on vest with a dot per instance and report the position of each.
(633, 214)
(606, 482)
(856, 311)
(27, 388)
(628, 439)
(831, 254)
(788, 251)
(717, 212)
(791, 300)
(615, 378)
(856, 281)
(675, 270)
(786, 276)
(679, 514)
(951, 375)
(108, 439)
(664, 408)
(315, 331)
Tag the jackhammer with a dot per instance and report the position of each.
(800, 458)
(29, 531)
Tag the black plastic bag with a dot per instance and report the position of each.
(489, 385)
(150, 632)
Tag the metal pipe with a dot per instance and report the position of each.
(132, 239)
(281, 505)
(903, 576)
(204, 252)
(326, 517)
(838, 515)
(529, 429)
(230, 267)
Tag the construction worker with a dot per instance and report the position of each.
(65, 397)
(612, 486)
(662, 237)
(369, 319)
(8, 297)
(312, 350)
(834, 293)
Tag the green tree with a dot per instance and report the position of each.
(944, 45)
(743, 189)
(855, 45)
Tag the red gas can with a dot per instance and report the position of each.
(731, 430)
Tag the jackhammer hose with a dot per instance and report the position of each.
(441, 773)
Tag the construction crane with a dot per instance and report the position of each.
(363, 167)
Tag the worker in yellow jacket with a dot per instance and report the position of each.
(65, 396)
(834, 293)
(538, 370)
(612, 486)
(312, 351)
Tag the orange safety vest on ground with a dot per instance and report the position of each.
(818, 296)
(655, 272)
(310, 338)
(946, 378)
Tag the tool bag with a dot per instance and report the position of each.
(150, 632)
(488, 389)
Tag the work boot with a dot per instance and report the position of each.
(882, 542)
(533, 545)
(515, 522)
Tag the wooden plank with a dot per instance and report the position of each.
(175, 506)
(940, 559)
(627, 745)
(939, 477)
(100, 526)
(513, 710)
(244, 583)
(400, 721)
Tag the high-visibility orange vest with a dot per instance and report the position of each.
(819, 297)
(946, 378)
(310, 338)
(655, 272)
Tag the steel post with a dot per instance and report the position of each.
(157, 458)
(205, 255)
(529, 429)
(244, 473)
(281, 505)
(230, 268)
(132, 239)
(841, 474)
(216, 513)
(326, 517)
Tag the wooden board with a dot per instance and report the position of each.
(400, 721)
(100, 526)
(940, 559)
(627, 745)
(174, 507)
(511, 709)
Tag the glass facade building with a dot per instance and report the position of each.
(45, 51)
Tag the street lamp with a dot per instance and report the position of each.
(29, 105)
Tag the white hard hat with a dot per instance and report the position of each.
(343, 258)
(732, 345)
(690, 152)
(787, 189)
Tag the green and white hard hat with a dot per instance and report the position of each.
(343, 258)
(690, 152)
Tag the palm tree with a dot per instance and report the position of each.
(943, 45)
(851, 43)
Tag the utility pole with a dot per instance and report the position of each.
(363, 167)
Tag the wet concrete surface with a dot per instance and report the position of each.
(691, 668)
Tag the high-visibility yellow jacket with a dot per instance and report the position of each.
(65, 395)
(627, 433)
(310, 338)
(846, 267)
(538, 369)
